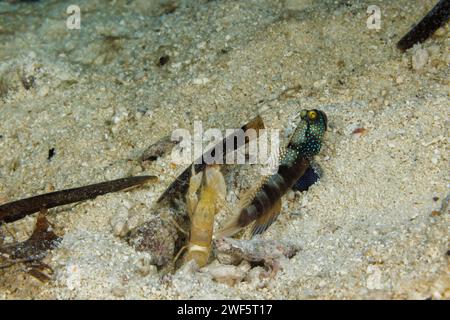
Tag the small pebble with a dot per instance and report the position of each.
(119, 116)
(254, 275)
(118, 292)
(133, 221)
(144, 267)
(200, 81)
(290, 195)
(43, 91)
(228, 274)
(433, 50)
(157, 238)
(435, 213)
(419, 59)
(435, 159)
(359, 132)
(120, 228)
(373, 281)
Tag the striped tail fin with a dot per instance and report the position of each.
(265, 221)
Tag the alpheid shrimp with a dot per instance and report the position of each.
(202, 210)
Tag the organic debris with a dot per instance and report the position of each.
(444, 205)
(19, 209)
(4, 87)
(163, 60)
(42, 239)
(51, 153)
(156, 237)
(181, 183)
(427, 26)
(359, 132)
(228, 274)
(256, 251)
(28, 81)
(32, 250)
(158, 149)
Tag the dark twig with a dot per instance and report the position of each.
(16, 210)
(427, 26)
(41, 240)
(10, 263)
(181, 183)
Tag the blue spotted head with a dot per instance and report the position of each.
(308, 136)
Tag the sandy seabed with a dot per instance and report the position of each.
(375, 226)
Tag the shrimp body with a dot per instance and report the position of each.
(263, 203)
(213, 191)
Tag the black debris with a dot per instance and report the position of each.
(13, 211)
(163, 60)
(51, 153)
(427, 26)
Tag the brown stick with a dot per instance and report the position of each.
(181, 184)
(434, 19)
(13, 262)
(19, 209)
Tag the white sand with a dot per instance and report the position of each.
(99, 99)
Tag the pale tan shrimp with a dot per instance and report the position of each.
(202, 211)
(191, 196)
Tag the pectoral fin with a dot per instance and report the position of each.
(231, 228)
(245, 199)
(263, 222)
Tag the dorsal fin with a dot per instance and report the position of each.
(263, 222)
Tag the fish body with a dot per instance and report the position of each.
(263, 203)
